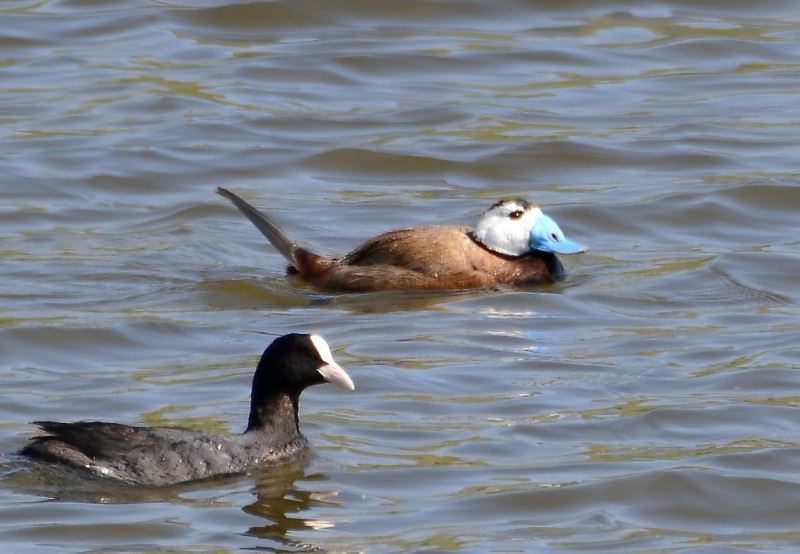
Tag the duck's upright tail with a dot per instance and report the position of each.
(273, 233)
(300, 260)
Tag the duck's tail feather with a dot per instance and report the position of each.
(273, 233)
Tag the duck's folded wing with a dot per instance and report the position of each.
(428, 249)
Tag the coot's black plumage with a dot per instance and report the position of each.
(166, 455)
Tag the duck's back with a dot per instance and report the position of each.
(427, 249)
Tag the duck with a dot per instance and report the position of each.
(513, 244)
(157, 456)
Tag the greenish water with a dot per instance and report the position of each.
(648, 403)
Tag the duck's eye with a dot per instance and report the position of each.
(516, 214)
(554, 237)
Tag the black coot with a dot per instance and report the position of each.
(166, 455)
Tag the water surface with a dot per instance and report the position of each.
(648, 403)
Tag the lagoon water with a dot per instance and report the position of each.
(649, 403)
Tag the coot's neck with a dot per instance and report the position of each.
(275, 414)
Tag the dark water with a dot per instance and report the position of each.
(649, 403)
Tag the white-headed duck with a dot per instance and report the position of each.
(513, 244)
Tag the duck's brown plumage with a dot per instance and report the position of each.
(432, 257)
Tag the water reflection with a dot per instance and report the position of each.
(68, 484)
(283, 498)
(283, 504)
(277, 292)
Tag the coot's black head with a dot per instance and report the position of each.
(293, 362)
(289, 365)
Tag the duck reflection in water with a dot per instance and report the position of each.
(513, 244)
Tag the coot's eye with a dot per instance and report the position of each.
(516, 214)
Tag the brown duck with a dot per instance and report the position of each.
(513, 244)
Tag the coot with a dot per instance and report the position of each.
(166, 455)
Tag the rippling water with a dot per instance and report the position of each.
(648, 403)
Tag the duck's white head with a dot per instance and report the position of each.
(515, 227)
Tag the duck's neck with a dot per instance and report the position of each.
(554, 265)
(275, 414)
(479, 242)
